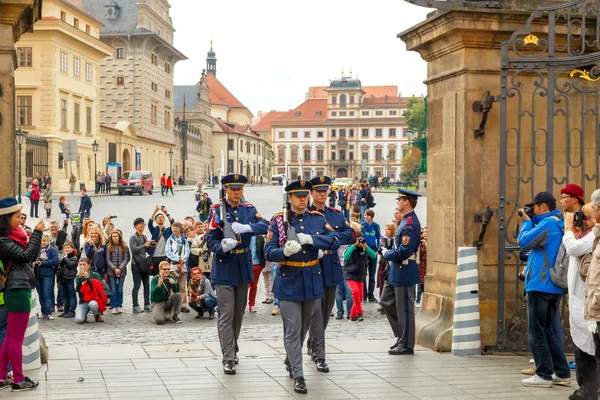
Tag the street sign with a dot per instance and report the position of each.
(393, 175)
(363, 165)
(70, 150)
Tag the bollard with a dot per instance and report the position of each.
(31, 343)
(466, 333)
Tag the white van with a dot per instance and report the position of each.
(277, 179)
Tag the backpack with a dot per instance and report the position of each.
(370, 200)
(560, 270)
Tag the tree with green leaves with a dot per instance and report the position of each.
(416, 119)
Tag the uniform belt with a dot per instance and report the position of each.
(300, 264)
(239, 251)
(411, 258)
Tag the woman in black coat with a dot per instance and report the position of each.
(17, 253)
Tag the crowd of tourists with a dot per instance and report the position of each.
(79, 269)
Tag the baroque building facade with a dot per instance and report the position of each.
(343, 130)
(137, 77)
(58, 93)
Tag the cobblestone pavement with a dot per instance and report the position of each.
(139, 328)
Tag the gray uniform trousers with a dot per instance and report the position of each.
(318, 323)
(232, 304)
(398, 303)
(296, 319)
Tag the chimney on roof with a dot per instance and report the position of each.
(386, 98)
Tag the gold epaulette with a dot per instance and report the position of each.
(315, 213)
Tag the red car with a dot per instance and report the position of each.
(136, 182)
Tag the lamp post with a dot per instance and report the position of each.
(95, 146)
(212, 172)
(171, 163)
(20, 138)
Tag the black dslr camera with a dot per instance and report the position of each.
(528, 211)
(578, 219)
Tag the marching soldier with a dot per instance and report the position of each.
(398, 297)
(232, 263)
(299, 281)
(331, 268)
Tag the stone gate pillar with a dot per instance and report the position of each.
(462, 50)
(16, 17)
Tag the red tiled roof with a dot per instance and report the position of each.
(234, 128)
(310, 110)
(383, 100)
(219, 95)
(318, 92)
(264, 123)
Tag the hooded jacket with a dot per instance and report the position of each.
(543, 234)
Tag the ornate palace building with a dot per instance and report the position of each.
(343, 130)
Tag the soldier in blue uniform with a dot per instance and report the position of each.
(298, 283)
(398, 297)
(232, 264)
(331, 268)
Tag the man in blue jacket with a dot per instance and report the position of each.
(85, 207)
(542, 237)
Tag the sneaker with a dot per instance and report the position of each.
(561, 381)
(252, 309)
(137, 310)
(114, 311)
(27, 384)
(147, 308)
(572, 365)
(529, 371)
(49, 318)
(62, 315)
(98, 318)
(418, 304)
(361, 317)
(5, 384)
(275, 311)
(372, 299)
(60, 308)
(176, 319)
(340, 315)
(185, 309)
(120, 310)
(537, 381)
(379, 308)
(70, 315)
(211, 316)
(354, 319)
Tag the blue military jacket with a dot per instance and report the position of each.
(330, 263)
(234, 267)
(404, 270)
(293, 281)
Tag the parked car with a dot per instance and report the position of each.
(339, 183)
(136, 182)
(277, 179)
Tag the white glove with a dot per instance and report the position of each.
(303, 238)
(592, 327)
(321, 254)
(291, 247)
(228, 244)
(238, 228)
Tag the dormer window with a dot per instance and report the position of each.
(112, 10)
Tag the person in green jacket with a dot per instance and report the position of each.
(165, 296)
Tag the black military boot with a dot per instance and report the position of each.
(300, 385)
(229, 367)
(321, 365)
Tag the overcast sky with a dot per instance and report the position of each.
(269, 52)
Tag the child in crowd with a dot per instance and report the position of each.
(372, 234)
(387, 243)
(67, 271)
(355, 271)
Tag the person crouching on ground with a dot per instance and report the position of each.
(201, 294)
(165, 296)
(355, 271)
(88, 284)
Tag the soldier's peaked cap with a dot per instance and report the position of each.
(234, 181)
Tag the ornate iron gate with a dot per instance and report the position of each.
(549, 134)
(36, 157)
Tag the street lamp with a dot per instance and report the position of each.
(212, 172)
(171, 163)
(95, 146)
(20, 138)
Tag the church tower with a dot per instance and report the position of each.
(211, 61)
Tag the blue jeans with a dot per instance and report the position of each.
(208, 304)
(45, 289)
(557, 327)
(60, 301)
(69, 296)
(343, 290)
(274, 268)
(363, 208)
(372, 273)
(547, 352)
(346, 214)
(116, 287)
(420, 288)
(3, 326)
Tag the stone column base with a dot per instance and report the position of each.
(434, 322)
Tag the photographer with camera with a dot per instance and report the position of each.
(355, 271)
(541, 234)
(160, 234)
(165, 296)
